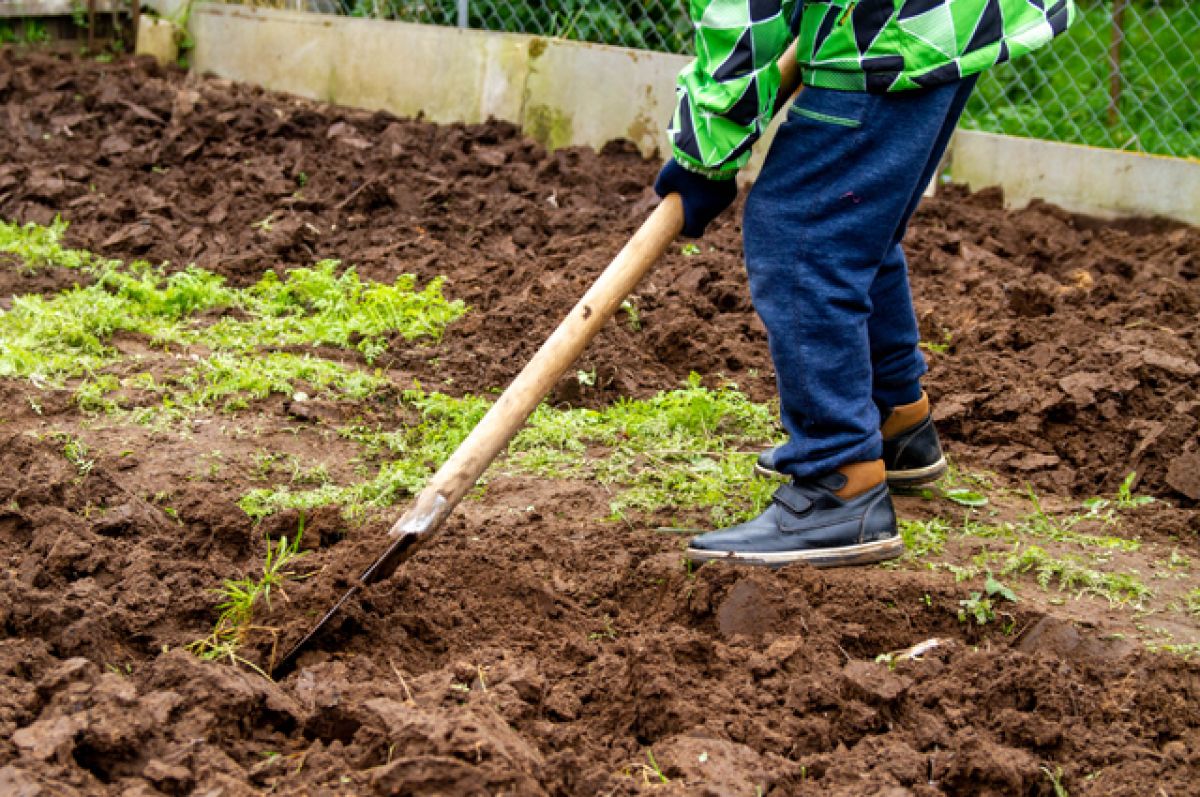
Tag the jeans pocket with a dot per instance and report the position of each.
(831, 106)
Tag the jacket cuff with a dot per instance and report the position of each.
(728, 172)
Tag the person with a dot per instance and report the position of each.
(885, 82)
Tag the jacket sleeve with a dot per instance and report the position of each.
(725, 98)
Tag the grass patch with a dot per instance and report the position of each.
(39, 247)
(1070, 574)
(680, 450)
(1041, 523)
(319, 306)
(1184, 650)
(51, 340)
(231, 381)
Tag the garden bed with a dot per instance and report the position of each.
(551, 640)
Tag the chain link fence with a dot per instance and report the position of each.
(1127, 75)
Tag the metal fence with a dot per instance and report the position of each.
(1127, 75)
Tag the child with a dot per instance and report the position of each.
(885, 83)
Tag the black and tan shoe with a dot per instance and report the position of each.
(840, 519)
(912, 453)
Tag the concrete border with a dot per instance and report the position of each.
(447, 74)
(1100, 182)
(573, 93)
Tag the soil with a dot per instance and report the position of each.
(534, 647)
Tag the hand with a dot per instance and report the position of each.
(703, 198)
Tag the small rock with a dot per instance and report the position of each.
(1170, 363)
(49, 738)
(69, 671)
(171, 776)
(873, 682)
(1183, 474)
(19, 783)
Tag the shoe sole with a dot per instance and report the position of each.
(867, 553)
(913, 477)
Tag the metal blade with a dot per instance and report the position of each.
(400, 549)
(288, 662)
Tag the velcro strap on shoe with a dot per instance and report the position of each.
(792, 499)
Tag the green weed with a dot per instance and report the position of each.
(980, 606)
(1042, 524)
(964, 496)
(1055, 779)
(1071, 575)
(240, 596)
(77, 453)
(940, 347)
(39, 246)
(964, 488)
(92, 394)
(923, 538)
(655, 768)
(1123, 499)
(230, 381)
(1178, 561)
(1185, 650)
(631, 311)
(1193, 602)
(318, 306)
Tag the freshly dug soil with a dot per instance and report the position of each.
(534, 648)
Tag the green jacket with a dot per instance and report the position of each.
(727, 95)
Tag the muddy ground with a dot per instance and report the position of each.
(536, 647)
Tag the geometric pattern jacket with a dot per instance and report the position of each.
(726, 96)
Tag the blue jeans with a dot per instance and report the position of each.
(822, 231)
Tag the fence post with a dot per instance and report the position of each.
(1114, 62)
(464, 13)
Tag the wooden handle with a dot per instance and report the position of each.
(560, 351)
(492, 434)
(789, 77)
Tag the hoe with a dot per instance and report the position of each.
(492, 434)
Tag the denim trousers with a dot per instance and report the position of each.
(822, 230)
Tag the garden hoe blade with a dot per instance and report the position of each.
(464, 467)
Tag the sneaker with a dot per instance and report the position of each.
(912, 453)
(842, 518)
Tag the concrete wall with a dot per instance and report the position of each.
(447, 74)
(1100, 182)
(563, 93)
(572, 93)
